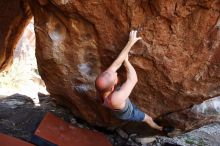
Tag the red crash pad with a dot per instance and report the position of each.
(57, 131)
(6, 140)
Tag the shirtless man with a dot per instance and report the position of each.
(118, 100)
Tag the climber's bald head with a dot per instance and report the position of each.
(106, 80)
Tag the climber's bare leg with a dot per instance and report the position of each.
(148, 120)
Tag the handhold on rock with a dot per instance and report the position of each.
(43, 2)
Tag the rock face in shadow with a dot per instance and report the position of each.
(177, 61)
(14, 17)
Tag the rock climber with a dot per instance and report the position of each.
(118, 99)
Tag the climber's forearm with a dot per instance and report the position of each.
(131, 73)
(121, 57)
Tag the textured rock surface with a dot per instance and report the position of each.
(14, 16)
(198, 115)
(177, 62)
(207, 135)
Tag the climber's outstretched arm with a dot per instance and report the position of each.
(118, 97)
(121, 57)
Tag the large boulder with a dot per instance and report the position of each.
(177, 61)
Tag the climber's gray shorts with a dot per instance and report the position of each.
(130, 112)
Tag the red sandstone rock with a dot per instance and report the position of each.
(57, 131)
(14, 17)
(177, 61)
(6, 140)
